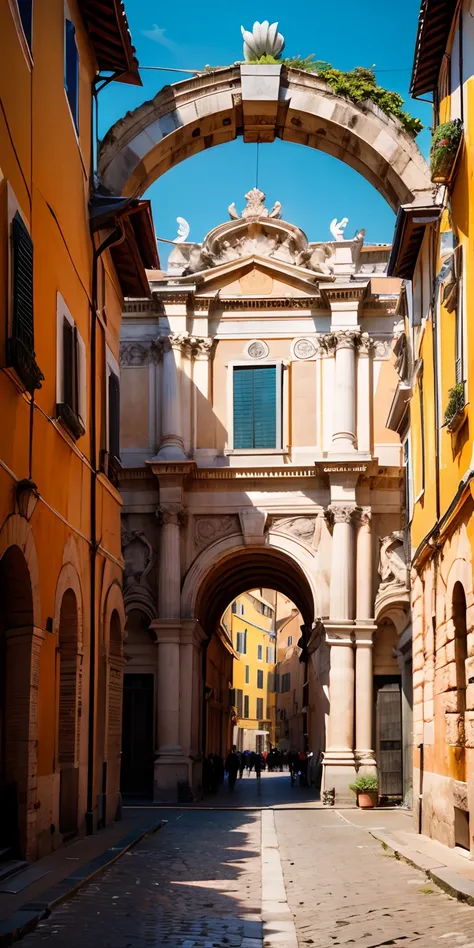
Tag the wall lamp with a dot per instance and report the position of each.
(27, 497)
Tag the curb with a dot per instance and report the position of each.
(26, 918)
(452, 882)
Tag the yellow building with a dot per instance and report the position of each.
(292, 718)
(251, 621)
(433, 410)
(61, 607)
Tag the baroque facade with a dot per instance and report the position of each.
(255, 388)
(61, 605)
(432, 410)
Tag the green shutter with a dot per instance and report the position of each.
(255, 407)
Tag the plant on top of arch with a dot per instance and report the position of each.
(357, 84)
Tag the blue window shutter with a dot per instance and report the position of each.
(71, 70)
(255, 407)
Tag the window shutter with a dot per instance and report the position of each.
(243, 408)
(239, 695)
(255, 407)
(22, 284)
(71, 70)
(246, 706)
(68, 364)
(265, 407)
(114, 415)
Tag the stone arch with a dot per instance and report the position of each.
(190, 116)
(112, 674)
(228, 567)
(16, 531)
(20, 647)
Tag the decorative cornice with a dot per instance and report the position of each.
(309, 302)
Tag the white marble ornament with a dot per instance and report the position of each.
(183, 230)
(264, 40)
(337, 228)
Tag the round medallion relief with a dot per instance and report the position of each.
(257, 349)
(304, 348)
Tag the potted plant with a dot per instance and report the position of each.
(444, 150)
(366, 791)
(454, 413)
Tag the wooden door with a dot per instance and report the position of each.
(389, 740)
(136, 778)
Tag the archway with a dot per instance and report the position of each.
(70, 701)
(231, 576)
(19, 661)
(214, 108)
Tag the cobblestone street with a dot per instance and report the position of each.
(197, 884)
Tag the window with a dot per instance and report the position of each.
(286, 682)
(234, 608)
(71, 70)
(256, 408)
(259, 679)
(290, 640)
(25, 9)
(260, 652)
(242, 642)
(238, 608)
(247, 674)
(271, 682)
(259, 708)
(238, 701)
(114, 415)
(71, 372)
(246, 706)
(20, 348)
(270, 654)
(459, 316)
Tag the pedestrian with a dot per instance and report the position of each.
(232, 766)
(258, 766)
(241, 765)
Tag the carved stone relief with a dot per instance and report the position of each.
(257, 349)
(307, 529)
(305, 348)
(211, 528)
(393, 568)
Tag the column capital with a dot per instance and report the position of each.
(192, 632)
(342, 339)
(366, 344)
(363, 516)
(340, 513)
(174, 513)
(363, 633)
(339, 632)
(166, 631)
(201, 349)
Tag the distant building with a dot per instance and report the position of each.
(251, 621)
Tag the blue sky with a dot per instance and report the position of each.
(312, 187)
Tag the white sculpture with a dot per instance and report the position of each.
(264, 40)
(183, 230)
(393, 570)
(337, 228)
(255, 207)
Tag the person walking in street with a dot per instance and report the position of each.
(232, 766)
(241, 764)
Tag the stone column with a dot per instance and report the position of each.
(341, 593)
(170, 767)
(364, 395)
(171, 442)
(365, 627)
(344, 432)
(339, 756)
(201, 350)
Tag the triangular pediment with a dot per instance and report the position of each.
(256, 277)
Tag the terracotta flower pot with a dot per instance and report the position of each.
(368, 800)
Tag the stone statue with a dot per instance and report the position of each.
(337, 228)
(264, 40)
(255, 207)
(314, 258)
(393, 569)
(183, 230)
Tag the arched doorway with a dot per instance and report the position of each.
(70, 701)
(18, 685)
(114, 711)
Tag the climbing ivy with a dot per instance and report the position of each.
(358, 84)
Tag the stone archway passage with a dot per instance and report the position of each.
(251, 569)
(261, 104)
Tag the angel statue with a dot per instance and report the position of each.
(337, 228)
(183, 231)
